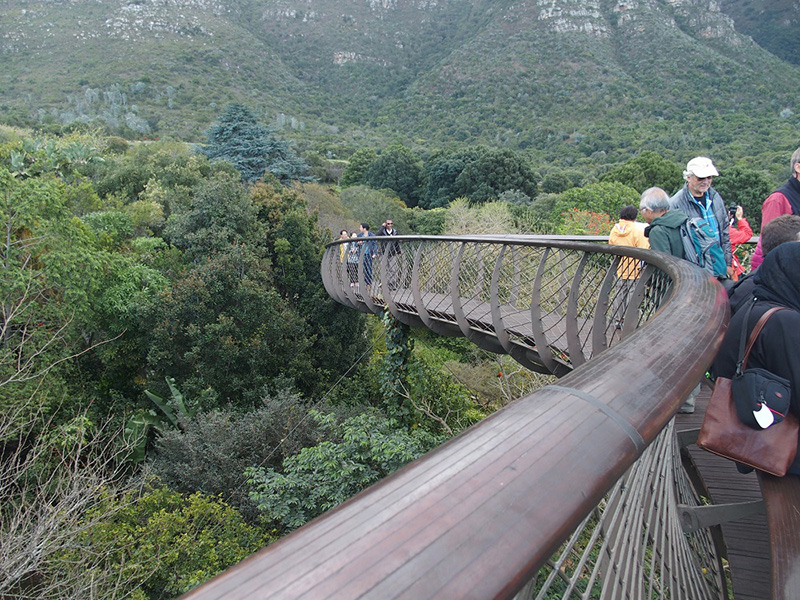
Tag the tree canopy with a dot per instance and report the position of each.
(252, 148)
(397, 168)
(647, 170)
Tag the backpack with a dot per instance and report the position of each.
(701, 246)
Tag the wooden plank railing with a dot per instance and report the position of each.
(479, 516)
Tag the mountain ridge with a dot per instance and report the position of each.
(558, 77)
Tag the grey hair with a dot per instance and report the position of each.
(655, 199)
(795, 159)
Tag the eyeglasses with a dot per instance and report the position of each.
(710, 177)
(389, 223)
(643, 209)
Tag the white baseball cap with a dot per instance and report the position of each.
(700, 166)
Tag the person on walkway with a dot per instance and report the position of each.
(698, 199)
(783, 201)
(665, 236)
(352, 259)
(626, 233)
(369, 253)
(739, 232)
(777, 348)
(664, 223)
(393, 250)
(343, 235)
(780, 230)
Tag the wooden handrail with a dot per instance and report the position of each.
(782, 503)
(478, 516)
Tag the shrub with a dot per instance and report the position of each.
(213, 452)
(162, 544)
(366, 448)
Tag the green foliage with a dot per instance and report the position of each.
(483, 219)
(147, 217)
(173, 408)
(294, 243)
(439, 401)
(332, 214)
(442, 171)
(238, 138)
(647, 170)
(556, 182)
(112, 227)
(162, 172)
(210, 454)
(397, 168)
(514, 197)
(45, 286)
(38, 156)
(372, 206)
(224, 330)
(395, 365)
(428, 222)
(605, 197)
(494, 172)
(356, 171)
(162, 544)
(221, 214)
(365, 449)
(746, 187)
(81, 196)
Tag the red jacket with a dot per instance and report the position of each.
(739, 235)
(775, 205)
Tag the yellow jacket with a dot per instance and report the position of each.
(628, 233)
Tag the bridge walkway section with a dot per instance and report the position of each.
(747, 538)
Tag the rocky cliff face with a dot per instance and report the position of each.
(520, 72)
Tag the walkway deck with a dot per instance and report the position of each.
(747, 539)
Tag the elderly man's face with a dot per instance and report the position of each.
(698, 186)
(647, 214)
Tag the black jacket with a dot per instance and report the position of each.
(777, 348)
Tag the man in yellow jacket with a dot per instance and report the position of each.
(627, 232)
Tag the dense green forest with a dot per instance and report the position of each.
(177, 390)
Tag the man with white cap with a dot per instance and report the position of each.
(698, 199)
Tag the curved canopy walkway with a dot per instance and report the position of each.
(574, 491)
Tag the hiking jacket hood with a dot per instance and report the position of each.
(664, 233)
(628, 233)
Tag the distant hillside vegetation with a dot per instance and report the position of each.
(565, 80)
(773, 24)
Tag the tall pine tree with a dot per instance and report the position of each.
(252, 148)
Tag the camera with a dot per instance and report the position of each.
(732, 209)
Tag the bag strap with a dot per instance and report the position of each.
(744, 353)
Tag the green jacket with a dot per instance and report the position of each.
(664, 233)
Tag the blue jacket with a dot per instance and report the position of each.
(684, 202)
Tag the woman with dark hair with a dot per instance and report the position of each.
(777, 348)
(626, 233)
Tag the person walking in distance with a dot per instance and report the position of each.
(392, 250)
(369, 253)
